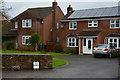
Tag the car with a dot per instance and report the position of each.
(105, 49)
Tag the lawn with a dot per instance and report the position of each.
(32, 52)
(58, 62)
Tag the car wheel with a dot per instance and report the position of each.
(95, 56)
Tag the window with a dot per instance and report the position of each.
(114, 42)
(16, 24)
(84, 42)
(62, 26)
(26, 23)
(93, 23)
(25, 40)
(72, 25)
(89, 44)
(114, 23)
(57, 25)
(58, 39)
(72, 42)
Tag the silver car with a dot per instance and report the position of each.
(105, 49)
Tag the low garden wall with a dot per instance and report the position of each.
(25, 61)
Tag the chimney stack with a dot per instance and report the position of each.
(69, 9)
(54, 5)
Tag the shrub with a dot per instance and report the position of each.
(8, 45)
(34, 41)
(57, 48)
(69, 51)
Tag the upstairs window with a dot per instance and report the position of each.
(58, 39)
(25, 40)
(16, 24)
(114, 23)
(26, 23)
(93, 23)
(57, 25)
(72, 25)
(72, 42)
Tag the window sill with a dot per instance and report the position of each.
(72, 46)
(92, 26)
(72, 29)
(115, 28)
(25, 44)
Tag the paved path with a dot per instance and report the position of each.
(78, 67)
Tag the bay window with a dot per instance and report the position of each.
(25, 40)
(72, 42)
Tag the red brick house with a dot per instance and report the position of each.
(41, 20)
(83, 29)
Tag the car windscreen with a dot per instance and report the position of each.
(101, 46)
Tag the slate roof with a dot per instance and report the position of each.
(38, 13)
(113, 35)
(94, 13)
(89, 33)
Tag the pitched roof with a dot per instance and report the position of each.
(39, 12)
(6, 30)
(89, 33)
(94, 13)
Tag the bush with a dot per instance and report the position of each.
(8, 45)
(69, 51)
(57, 48)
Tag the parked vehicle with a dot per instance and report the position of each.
(105, 49)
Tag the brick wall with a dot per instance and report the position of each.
(25, 61)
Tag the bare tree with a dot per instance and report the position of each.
(4, 9)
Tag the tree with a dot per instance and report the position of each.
(4, 9)
(34, 41)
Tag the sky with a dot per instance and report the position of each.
(18, 6)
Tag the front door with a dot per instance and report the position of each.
(87, 46)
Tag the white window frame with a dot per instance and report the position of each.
(114, 24)
(75, 39)
(57, 25)
(72, 28)
(58, 39)
(24, 42)
(113, 41)
(93, 23)
(24, 22)
(16, 24)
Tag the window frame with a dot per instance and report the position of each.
(68, 41)
(25, 22)
(58, 39)
(115, 20)
(113, 38)
(16, 24)
(57, 25)
(73, 26)
(24, 42)
(92, 23)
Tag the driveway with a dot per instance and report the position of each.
(78, 67)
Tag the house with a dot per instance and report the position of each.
(7, 33)
(41, 20)
(81, 30)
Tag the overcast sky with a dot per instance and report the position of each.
(18, 6)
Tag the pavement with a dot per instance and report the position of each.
(78, 67)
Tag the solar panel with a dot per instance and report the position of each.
(100, 12)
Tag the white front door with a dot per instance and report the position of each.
(87, 46)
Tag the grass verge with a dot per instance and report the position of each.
(33, 52)
(58, 62)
